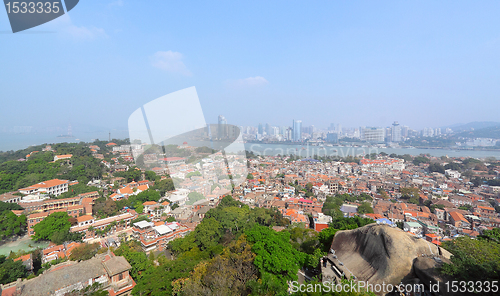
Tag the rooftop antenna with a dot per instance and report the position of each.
(109, 137)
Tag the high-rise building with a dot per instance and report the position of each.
(283, 131)
(275, 131)
(332, 137)
(396, 132)
(388, 134)
(268, 129)
(405, 132)
(428, 132)
(372, 134)
(261, 129)
(308, 129)
(297, 130)
(222, 120)
(222, 129)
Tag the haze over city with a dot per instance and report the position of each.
(425, 64)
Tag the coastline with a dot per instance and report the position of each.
(364, 145)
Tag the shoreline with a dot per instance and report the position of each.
(368, 146)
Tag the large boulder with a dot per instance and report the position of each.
(380, 254)
(426, 269)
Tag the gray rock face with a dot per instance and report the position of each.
(381, 254)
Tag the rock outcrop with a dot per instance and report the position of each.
(382, 254)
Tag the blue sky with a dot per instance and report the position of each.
(422, 63)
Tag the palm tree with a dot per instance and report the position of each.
(91, 228)
(113, 224)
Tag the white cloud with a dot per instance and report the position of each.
(170, 61)
(65, 26)
(247, 82)
(84, 33)
(118, 3)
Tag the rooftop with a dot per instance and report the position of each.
(143, 224)
(162, 229)
(116, 265)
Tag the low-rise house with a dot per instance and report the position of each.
(321, 221)
(452, 174)
(54, 187)
(485, 210)
(53, 253)
(458, 220)
(440, 214)
(85, 220)
(155, 237)
(27, 261)
(10, 197)
(111, 271)
(433, 238)
(63, 156)
(114, 223)
(413, 227)
(179, 197)
(459, 200)
(155, 209)
(202, 212)
(181, 213)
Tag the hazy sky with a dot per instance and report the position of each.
(422, 63)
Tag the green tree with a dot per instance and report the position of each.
(55, 222)
(326, 238)
(6, 206)
(104, 207)
(409, 192)
(132, 174)
(157, 280)
(194, 197)
(208, 233)
(11, 270)
(225, 274)
(11, 225)
(193, 174)
(275, 255)
(151, 176)
(350, 223)
(420, 159)
(491, 235)
(164, 186)
(473, 259)
(79, 188)
(132, 251)
(365, 208)
(436, 167)
(84, 251)
(466, 207)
